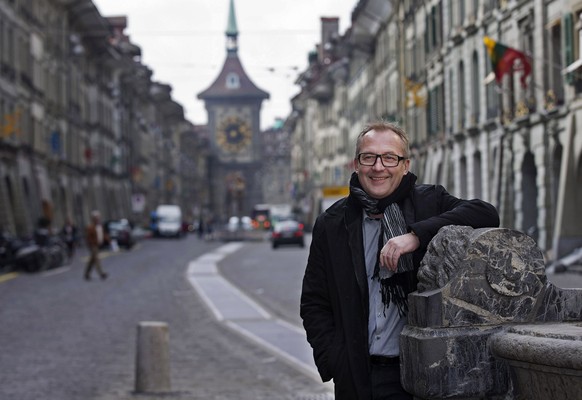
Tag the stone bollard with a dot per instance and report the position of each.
(152, 370)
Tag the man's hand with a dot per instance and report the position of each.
(395, 247)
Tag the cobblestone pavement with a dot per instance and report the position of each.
(66, 339)
(214, 362)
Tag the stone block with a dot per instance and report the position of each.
(451, 363)
(486, 323)
(546, 359)
(485, 276)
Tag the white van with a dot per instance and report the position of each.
(168, 220)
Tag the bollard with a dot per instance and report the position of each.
(152, 370)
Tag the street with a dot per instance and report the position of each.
(65, 338)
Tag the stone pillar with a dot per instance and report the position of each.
(152, 372)
(474, 284)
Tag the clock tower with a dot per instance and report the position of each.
(233, 103)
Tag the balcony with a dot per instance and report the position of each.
(322, 90)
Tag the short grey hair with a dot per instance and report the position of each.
(381, 126)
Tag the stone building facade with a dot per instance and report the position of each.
(276, 171)
(423, 64)
(83, 126)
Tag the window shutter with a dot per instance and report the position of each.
(568, 42)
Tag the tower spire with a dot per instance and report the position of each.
(231, 30)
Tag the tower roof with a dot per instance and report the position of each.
(233, 81)
(231, 29)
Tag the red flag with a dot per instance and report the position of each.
(503, 58)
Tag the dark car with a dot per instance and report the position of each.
(120, 231)
(287, 232)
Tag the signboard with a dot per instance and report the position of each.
(138, 202)
(331, 194)
(336, 191)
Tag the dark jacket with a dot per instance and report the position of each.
(334, 298)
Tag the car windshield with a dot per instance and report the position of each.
(286, 226)
(169, 218)
(116, 226)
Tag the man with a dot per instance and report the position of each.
(365, 252)
(94, 238)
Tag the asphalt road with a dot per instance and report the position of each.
(271, 276)
(64, 338)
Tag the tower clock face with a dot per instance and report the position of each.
(233, 134)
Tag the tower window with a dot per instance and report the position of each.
(232, 81)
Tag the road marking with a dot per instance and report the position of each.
(56, 271)
(243, 315)
(225, 300)
(290, 356)
(8, 276)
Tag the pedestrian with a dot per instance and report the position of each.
(69, 235)
(201, 228)
(95, 236)
(365, 253)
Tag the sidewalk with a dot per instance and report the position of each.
(240, 313)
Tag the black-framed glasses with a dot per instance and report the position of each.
(387, 160)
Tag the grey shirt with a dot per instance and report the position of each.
(384, 325)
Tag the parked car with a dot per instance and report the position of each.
(287, 232)
(121, 231)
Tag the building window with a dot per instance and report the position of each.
(463, 178)
(526, 28)
(451, 20)
(232, 81)
(450, 102)
(568, 38)
(477, 181)
(576, 52)
(461, 97)
(554, 95)
(475, 93)
(461, 16)
(491, 90)
(435, 110)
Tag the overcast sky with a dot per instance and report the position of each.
(184, 43)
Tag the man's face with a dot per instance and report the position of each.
(377, 180)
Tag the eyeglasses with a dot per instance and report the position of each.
(388, 160)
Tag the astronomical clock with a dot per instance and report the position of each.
(234, 134)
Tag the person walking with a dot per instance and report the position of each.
(363, 260)
(69, 235)
(94, 236)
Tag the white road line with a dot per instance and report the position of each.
(56, 271)
(243, 315)
(305, 368)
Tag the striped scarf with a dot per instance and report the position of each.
(394, 286)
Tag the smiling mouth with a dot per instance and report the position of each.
(378, 178)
